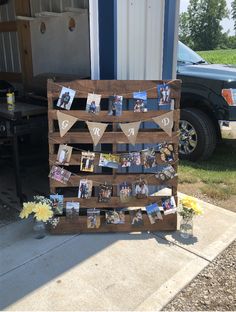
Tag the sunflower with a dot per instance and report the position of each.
(28, 208)
(43, 212)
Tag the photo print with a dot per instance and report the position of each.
(105, 191)
(93, 218)
(125, 192)
(64, 155)
(169, 205)
(140, 102)
(109, 161)
(165, 172)
(115, 105)
(115, 216)
(141, 189)
(149, 158)
(72, 209)
(57, 204)
(136, 217)
(167, 151)
(93, 103)
(130, 159)
(164, 97)
(85, 189)
(66, 98)
(87, 161)
(59, 174)
(154, 213)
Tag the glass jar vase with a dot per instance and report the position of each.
(39, 229)
(186, 227)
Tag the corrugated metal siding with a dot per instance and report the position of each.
(56, 5)
(9, 45)
(140, 28)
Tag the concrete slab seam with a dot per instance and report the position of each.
(38, 256)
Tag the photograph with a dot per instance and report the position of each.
(85, 189)
(59, 174)
(115, 105)
(130, 159)
(93, 103)
(64, 155)
(125, 192)
(165, 172)
(87, 161)
(109, 161)
(169, 205)
(93, 218)
(72, 209)
(154, 213)
(140, 102)
(149, 158)
(105, 191)
(57, 204)
(116, 216)
(136, 217)
(163, 91)
(167, 152)
(141, 189)
(66, 98)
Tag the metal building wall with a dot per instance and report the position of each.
(9, 45)
(56, 5)
(140, 29)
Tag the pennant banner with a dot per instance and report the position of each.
(165, 122)
(65, 122)
(131, 130)
(96, 130)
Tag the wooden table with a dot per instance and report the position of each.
(14, 124)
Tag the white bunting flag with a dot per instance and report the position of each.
(165, 122)
(65, 122)
(131, 130)
(96, 130)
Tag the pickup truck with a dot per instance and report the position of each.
(208, 104)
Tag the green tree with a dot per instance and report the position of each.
(200, 26)
(233, 11)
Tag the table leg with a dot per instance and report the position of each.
(16, 161)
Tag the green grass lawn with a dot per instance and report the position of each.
(219, 56)
(217, 175)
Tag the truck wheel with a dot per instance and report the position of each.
(197, 135)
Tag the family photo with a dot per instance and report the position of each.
(140, 102)
(57, 203)
(115, 216)
(93, 103)
(109, 161)
(154, 213)
(104, 194)
(64, 155)
(66, 98)
(93, 218)
(136, 217)
(60, 174)
(87, 162)
(125, 191)
(141, 189)
(85, 189)
(115, 105)
(149, 158)
(72, 209)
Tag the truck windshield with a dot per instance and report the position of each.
(186, 55)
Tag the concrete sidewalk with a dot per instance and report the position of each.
(104, 272)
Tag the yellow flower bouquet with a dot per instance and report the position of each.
(41, 208)
(189, 207)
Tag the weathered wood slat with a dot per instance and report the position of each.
(118, 179)
(127, 116)
(111, 87)
(79, 225)
(115, 202)
(76, 159)
(145, 137)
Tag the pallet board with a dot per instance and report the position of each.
(79, 136)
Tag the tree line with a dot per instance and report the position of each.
(200, 28)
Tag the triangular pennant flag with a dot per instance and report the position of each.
(65, 122)
(96, 130)
(165, 122)
(131, 130)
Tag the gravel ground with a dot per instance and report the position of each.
(214, 289)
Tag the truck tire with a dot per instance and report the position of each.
(197, 135)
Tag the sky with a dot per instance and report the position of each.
(227, 24)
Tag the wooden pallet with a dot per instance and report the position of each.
(80, 135)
